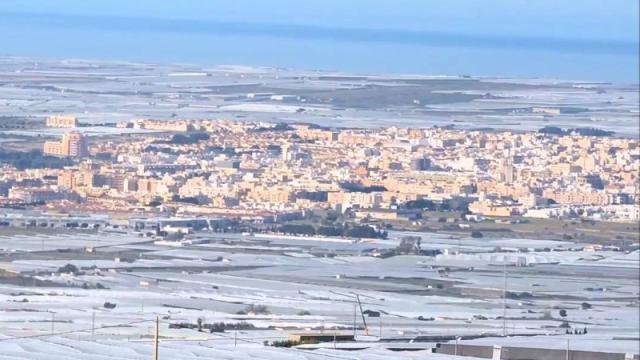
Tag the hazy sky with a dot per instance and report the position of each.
(590, 19)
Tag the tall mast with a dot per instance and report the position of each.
(504, 300)
(156, 339)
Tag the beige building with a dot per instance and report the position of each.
(350, 199)
(576, 197)
(490, 209)
(67, 180)
(73, 144)
(62, 121)
(506, 170)
(147, 186)
(276, 195)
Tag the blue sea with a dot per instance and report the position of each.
(342, 48)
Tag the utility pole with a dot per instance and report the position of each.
(455, 348)
(93, 324)
(53, 322)
(504, 300)
(354, 318)
(235, 338)
(364, 321)
(567, 357)
(156, 339)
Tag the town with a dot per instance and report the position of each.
(263, 172)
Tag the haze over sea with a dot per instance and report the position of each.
(577, 40)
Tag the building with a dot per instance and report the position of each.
(421, 164)
(67, 180)
(73, 144)
(506, 170)
(176, 125)
(488, 208)
(40, 195)
(275, 195)
(53, 148)
(362, 200)
(160, 224)
(62, 121)
(318, 337)
(546, 110)
(387, 214)
(147, 186)
(577, 197)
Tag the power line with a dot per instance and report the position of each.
(229, 337)
(292, 348)
(74, 331)
(89, 330)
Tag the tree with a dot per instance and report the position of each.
(365, 231)
(409, 245)
(552, 130)
(332, 216)
(563, 313)
(303, 229)
(476, 234)
(330, 231)
(34, 159)
(456, 204)
(193, 138)
(68, 269)
(256, 309)
(420, 204)
(108, 305)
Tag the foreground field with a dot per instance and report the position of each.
(270, 288)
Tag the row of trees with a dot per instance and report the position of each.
(554, 130)
(357, 187)
(34, 159)
(357, 231)
(201, 326)
(446, 205)
(185, 139)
